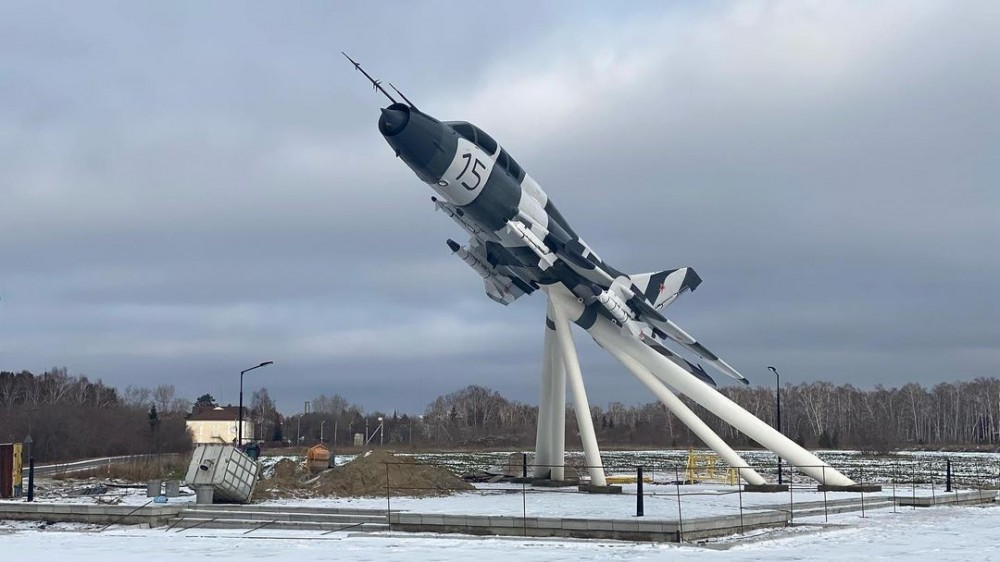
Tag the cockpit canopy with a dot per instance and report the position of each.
(479, 137)
(474, 135)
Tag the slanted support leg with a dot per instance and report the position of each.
(715, 402)
(574, 377)
(685, 415)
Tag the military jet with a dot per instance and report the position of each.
(519, 242)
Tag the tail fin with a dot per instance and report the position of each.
(663, 287)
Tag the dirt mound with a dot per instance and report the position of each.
(284, 480)
(286, 469)
(365, 476)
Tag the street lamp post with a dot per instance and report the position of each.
(381, 433)
(321, 424)
(239, 429)
(777, 393)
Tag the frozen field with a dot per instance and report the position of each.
(926, 534)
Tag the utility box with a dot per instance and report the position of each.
(10, 470)
(230, 473)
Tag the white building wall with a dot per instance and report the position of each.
(224, 431)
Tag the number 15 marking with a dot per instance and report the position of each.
(478, 164)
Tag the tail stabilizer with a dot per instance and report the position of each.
(661, 288)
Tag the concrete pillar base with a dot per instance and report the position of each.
(549, 483)
(595, 489)
(854, 488)
(766, 488)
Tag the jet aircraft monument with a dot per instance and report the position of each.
(520, 243)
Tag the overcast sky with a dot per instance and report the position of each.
(190, 188)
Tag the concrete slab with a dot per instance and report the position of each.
(477, 521)
(592, 489)
(600, 525)
(548, 522)
(765, 488)
(626, 526)
(548, 483)
(574, 524)
(953, 498)
(854, 488)
(501, 521)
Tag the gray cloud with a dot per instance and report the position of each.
(190, 188)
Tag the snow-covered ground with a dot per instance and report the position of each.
(943, 533)
(660, 501)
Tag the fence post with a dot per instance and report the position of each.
(680, 518)
(639, 511)
(791, 497)
(862, 478)
(388, 504)
(31, 479)
(913, 483)
(947, 480)
(933, 472)
(739, 487)
(826, 512)
(895, 475)
(524, 508)
(524, 465)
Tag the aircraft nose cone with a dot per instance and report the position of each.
(393, 121)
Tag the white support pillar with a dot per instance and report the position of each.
(575, 378)
(685, 415)
(603, 330)
(557, 421)
(544, 454)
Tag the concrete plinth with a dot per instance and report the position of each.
(154, 488)
(549, 483)
(854, 488)
(204, 495)
(766, 488)
(593, 489)
(172, 488)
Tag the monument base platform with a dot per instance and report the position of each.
(594, 489)
(765, 488)
(854, 488)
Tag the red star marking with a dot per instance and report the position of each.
(662, 287)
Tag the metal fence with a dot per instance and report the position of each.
(666, 489)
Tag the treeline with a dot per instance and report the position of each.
(71, 417)
(820, 414)
(816, 415)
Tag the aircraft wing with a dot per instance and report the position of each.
(500, 282)
(692, 368)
